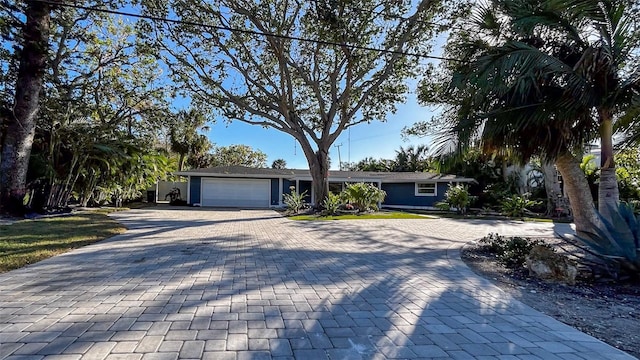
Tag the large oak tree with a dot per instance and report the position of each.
(312, 90)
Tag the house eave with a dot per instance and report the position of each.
(224, 175)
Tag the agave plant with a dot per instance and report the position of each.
(615, 241)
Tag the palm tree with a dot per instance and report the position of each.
(184, 137)
(546, 77)
(279, 164)
(411, 159)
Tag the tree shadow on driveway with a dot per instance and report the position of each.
(264, 288)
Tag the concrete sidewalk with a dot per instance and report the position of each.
(207, 284)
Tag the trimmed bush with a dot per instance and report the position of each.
(510, 251)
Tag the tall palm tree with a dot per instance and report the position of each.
(545, 77)
(411, 159)
(184, 137)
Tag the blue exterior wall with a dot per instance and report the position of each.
(305, 186)
(405, 194)
(402, 194)
(194, 190)
(442, 188)
(275, 191)
(286, 184)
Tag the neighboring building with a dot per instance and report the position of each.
(237, 186)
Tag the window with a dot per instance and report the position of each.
(425, 189)
(335, 187)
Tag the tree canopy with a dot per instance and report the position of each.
(303, 68)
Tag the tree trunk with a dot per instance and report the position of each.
(577, 188)
(319, 169)
(552, 187)
(180, 161)
(608, 192)
(20, 129)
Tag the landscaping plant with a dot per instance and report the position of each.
(331, 204)
(616, 241)
(511, 251)
(294, 202)
(517, 205)
(363, 196)
(457, 197)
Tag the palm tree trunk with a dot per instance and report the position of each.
(180, 161)
(552, 187)
(21, 125)
(608, 192)
(577, 187)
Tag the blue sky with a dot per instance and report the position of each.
(378, 139)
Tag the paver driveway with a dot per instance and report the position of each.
(252, 285)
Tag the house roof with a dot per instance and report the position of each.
(303, 174)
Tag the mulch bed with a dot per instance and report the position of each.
(605, 309)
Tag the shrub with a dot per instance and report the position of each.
(364, 196)
(456, 197)
(331, 204)
(512, 251)
(295, 202)
(516, 205)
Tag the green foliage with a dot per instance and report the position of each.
(628, 173)
(456, 197)
(370, 164)
(364, 196)
(411, 159)
(310, 90)
(238, 155)
(102, 109)
(184, 135)
(517, 205)
(592, 173)
(511, 251)
(295, 202)
(331, 204)
(443, 205)
(616, 242)
(279, 164)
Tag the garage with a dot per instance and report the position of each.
(250, 193)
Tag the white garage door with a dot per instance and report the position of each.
(252, 193)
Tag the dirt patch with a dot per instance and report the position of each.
(603, 309)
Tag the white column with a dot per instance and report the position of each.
(379, 188)
(189, 190)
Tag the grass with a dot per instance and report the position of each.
(29, 241)
(378, 215)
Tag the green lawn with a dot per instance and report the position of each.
(29, 241)
(378, 215)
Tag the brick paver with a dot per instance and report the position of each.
(232, 284)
